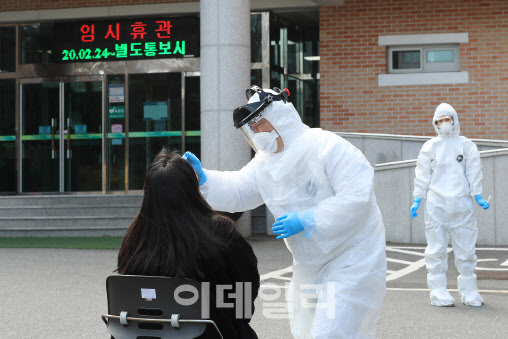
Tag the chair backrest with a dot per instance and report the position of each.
(148, 304)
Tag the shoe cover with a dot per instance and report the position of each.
(471, 298)
(441, 297)
(469, 291)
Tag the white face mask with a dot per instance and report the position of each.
(266, 141)
(446, 129)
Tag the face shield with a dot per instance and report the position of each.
(247, 116)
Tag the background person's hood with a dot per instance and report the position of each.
(446, 109)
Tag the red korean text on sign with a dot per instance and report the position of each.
(88, 33)
(165, 27)
(114, 33)
(138, 30)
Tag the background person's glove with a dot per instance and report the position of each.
(196, 164)
(287, 225)
(415, 206)
(483, 203)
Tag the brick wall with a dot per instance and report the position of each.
(351, 60)
(23, 5)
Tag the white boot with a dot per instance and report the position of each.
(439, 296)
(469, 291)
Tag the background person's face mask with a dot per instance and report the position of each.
(446, 129)
(266, 141)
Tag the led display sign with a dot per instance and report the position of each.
(134, 39)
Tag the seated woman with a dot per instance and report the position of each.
(177, 234)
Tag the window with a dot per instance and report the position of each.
(415, 59)
(255, 38)
(7, 49)
(35, 43)
(423, 59)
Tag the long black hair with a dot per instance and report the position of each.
(176, 232)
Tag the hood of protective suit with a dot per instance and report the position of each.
(285, 119)
(446, 109)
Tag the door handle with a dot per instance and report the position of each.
(68, 138)
(53, 150)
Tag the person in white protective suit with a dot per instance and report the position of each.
(449, 174)
(320, 188)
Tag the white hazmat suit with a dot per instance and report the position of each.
(342, 247)
(449, 174)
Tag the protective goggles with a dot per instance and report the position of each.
(244, 114)
(443, 118)
(256, 119)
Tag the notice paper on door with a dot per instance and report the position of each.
(116, 128)
(157, 110)
(44, 130)
(80, 129)
(117, 93)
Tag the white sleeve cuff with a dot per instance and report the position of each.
(308, 221)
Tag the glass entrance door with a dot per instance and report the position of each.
(8, 136)
(61, 137)
(40, 137)
(155, 120)
(83, 136)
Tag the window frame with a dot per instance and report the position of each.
(426, 67)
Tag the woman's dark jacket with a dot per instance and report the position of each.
(236, 263)
(240, 266)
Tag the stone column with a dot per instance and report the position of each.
(225, 75)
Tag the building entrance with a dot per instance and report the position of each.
(61, 135)
(76, 124)
(100, 133)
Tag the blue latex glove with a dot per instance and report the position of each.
(287, 225)
(196, 164)
(415, 206)
(483, 203)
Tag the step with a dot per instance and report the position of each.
(71, 199)
(63, 222)
(69, 210)
(98, 231)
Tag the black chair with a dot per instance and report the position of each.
(144, 307)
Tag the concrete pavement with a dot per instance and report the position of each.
(53, 293)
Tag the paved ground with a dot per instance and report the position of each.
(50, 293)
